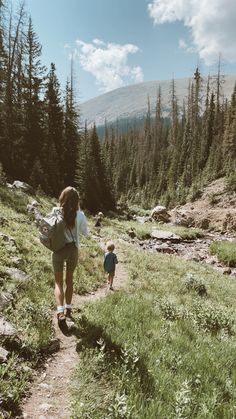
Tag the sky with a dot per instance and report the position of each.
(120, 42)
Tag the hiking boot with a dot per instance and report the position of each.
(68, 313)
(61, 318)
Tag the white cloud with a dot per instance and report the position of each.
(107, 62)
(212, 24)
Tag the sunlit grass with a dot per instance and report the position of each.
(164, 350)
(225, 251)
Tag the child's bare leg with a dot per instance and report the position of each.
(111, 277)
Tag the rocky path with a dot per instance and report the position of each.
(50, 392)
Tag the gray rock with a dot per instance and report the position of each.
(23, 187)
(17, 274)
(165, 235)
(6, 329)
(159, 213)
(5, 299)
(16, 261)
(3, 355)
(164, 248)
(8, 239)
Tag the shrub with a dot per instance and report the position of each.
(213, 319)
(192, 282)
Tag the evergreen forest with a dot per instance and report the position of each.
(166, 160)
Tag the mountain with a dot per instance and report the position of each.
(131, 101)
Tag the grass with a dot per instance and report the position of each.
(116, 228)
(225, 251)
(33, 301)
(164, 349)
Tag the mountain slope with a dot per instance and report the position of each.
(131, 101)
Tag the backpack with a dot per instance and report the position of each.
(52, 229)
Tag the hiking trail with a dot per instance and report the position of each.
(50, 390)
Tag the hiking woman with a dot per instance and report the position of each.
(76, 224)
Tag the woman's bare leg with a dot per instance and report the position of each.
(58, 292)
(69, 287)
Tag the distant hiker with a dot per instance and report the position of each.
(98, 222)
(110, 261)
(75, 224)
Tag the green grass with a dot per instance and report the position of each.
(225, 251)
(159, 350)
(115, 228)
(33, 301)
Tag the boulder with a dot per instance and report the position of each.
(165, 235)
(6, 329)
(16, 274)
(8, 239)
(159, 213)
(183, 218)
(5, 299)
(3, 355)
(23, 187)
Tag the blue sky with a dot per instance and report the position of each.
(118, 42)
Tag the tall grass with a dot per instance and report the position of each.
(225, 251)
(33, 300)
(161, 350)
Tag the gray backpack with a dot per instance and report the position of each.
(52, 230)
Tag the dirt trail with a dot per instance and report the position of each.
(50, 391)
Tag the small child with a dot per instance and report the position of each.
(110, 261)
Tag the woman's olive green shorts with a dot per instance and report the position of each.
(69, 255)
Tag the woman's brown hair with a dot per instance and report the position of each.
(69, 201)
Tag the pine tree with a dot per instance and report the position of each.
(32, 87)
(71, 129)
(54, 146)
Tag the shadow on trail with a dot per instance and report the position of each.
(90, 336)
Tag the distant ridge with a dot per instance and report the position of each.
(131, 101)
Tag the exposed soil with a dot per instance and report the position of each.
(215, 209)
(50, 391)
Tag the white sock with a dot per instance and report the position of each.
(60, 309)
(68, 306)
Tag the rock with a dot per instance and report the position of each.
(23, 187)
(3, 221)
(16, 261)
(131, 233)
(165, 235)
(5, 299)
(204, 223)
(183, 218)
(226, 271)
(164, 248)
(3, 355)
(8, 239)
(35, 213)
(16, 274)
(159, 213)
(6, 329)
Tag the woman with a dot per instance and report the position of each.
(75, 224)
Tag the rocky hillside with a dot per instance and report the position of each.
(131, 101)
(215, 209)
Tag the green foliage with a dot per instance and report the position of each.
(193, 282)
(231, 182)
(32, 307)
(156, 334)
(225, 251)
